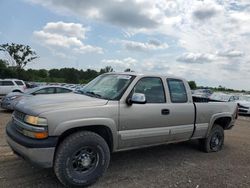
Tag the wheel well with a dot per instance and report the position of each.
(16, 90)
(223, 122)
(101, 130)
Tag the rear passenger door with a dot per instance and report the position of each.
(181, 108)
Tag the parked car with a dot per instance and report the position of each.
(9, 101)
(202, 93)
(75, 133)
(223, 97)
(244, 104)
(11, 85)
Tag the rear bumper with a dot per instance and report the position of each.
(38, 152)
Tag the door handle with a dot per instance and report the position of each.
(165, 111)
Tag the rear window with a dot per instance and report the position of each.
(6, 83)
(177, 91)
(19, 83)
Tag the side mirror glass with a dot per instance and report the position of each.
(138, 98)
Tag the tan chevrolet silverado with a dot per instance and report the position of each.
(75, 133)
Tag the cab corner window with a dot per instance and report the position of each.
(152, 88)
(177, 91)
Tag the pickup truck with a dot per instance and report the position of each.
(76, 133)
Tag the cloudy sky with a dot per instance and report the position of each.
(206, 41)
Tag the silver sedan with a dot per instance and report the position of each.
(10, 100)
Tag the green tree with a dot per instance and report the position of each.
(128, 70)
(192, 84)
(19, 55)
(106, 69)
(5, 71)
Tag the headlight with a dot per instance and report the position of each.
(33, 120)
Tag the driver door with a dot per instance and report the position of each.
(145, 124)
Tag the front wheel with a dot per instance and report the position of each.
(81, 159)
(214, 141)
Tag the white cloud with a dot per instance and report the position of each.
(65, 35)
(120, 64)
(196, 58)
(152, 44)
(230, 53)
(66, 29)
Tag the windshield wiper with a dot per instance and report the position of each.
(93, 94)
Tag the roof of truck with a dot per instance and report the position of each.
(146, 74)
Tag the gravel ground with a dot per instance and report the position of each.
(173, 165)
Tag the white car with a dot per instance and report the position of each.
(11, 85)
(223, 97)
(244, 104)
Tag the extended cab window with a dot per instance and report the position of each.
(177, 91)
(153, 89)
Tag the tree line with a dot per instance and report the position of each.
(63, 75)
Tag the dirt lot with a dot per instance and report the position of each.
(174, 165)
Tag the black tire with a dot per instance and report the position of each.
(215, 140)
(78, 152)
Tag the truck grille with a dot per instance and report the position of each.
(19, 115)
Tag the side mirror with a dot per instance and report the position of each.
(137, 98)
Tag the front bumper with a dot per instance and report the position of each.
(38, 152)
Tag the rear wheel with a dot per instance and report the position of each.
(214, 141)
(81, 159)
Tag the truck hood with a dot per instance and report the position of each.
(35, 105)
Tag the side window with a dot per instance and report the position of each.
(49, 90)
(7, 83)
(62, 90)
(19, 83)
(152, 88)
(177, 91)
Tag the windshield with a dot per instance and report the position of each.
(108, 86)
